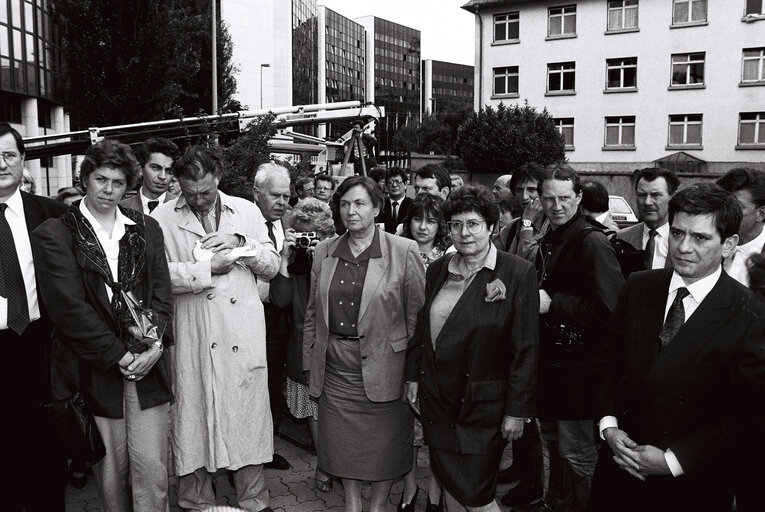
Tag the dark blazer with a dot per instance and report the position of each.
(484, 365)
(134, 202)
(393, 293)
(700, 396)
(387, 214)
(85, 344)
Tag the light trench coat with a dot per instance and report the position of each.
(221, 417)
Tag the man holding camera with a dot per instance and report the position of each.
(271, 189)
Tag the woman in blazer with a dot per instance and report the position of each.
(366, 289)
(472, 362)
(87, 261)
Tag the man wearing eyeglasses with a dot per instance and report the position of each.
(323, 187)
(398, 203)
(32, 445)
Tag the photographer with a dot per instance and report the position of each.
(312, 219)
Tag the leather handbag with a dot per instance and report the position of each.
(77, 428)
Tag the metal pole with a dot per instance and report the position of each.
(214, 59)
(266, 65)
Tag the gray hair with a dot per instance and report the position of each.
(268, 170)
(315, 215)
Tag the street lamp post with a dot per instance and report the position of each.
(261, 82)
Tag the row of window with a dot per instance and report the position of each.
(684, 131)
(621, 15)
(687, 70)
(450, 79)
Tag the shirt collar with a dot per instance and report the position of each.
(343, 249)
(698, 290)
(120, 218)
(15, 203)
(458, 268)
(754, 245)
(145, 200)
(662, 231)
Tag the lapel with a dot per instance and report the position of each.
(451, 325)
(191, 223)
(33, 214)
(652, 300)
(375, 272)
(328, 266)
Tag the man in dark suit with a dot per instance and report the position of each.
(156, 157)
(654, 188)
(397, 203)
(683, 371)
(32, 448)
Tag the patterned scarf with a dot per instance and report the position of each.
(131, 265)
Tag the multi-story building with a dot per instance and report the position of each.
(29, 64)
(632, 82)
(341, 64)
(446, 87)
(393, 73)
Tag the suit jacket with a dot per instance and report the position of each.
(484, 365)
(697, 396)
(393, 293)
(387, 214)
(634, 236)
(134, 202)
(86, 347)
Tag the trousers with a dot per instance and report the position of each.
(195, 490)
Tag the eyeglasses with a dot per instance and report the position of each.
(474, 227)
(397, 183)
(10, 158)
(322, 189)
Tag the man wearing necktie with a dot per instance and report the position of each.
(271, 189)
(31, 443)
(156, 156)
(683, 371)
(397, 203)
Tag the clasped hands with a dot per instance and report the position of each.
(135, 367)
(639, 461)
(221, 244)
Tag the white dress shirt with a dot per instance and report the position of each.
(737, 265)
(110, 242)
(661, 245)
(14, 214)
(145, 200)
(697, 292)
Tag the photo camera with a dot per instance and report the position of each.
(304, 239)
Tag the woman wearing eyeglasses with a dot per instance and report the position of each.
(472, 362)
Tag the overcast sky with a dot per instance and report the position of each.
(447, 30)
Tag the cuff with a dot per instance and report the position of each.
(673, 463)
(607, 422)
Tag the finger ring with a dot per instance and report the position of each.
(131, 376)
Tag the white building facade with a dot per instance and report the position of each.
(631, 81)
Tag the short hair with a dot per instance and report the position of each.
(435, 171)
(561, 172)
(323, 177)
(367, 183)
(651, 173)
(67, 192)
(6, 128)
(457, 177)
(745, 178)
(709, 199)
(594, 197)
(378, 173)
(531, 171)
(424, 205)
(300, 183)
(196, 162)
(315, 215)
(156, 145)
(112, 154)
(472, 198)
(265, 171)
(26, 175)
(396, 171)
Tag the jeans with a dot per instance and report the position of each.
(136, 457)
(573, 455)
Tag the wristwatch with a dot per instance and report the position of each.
(526, 224)
(159, 345)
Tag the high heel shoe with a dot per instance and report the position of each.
(429, 507)
(409, 507)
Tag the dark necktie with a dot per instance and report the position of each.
(153, 204)
(650, 247)
(270, 226)
(394, 208)
(675, 318)
(15, 290)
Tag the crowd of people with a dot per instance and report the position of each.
(461, 319)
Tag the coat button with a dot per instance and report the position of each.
(210, 296)
(235, 348)
(214, 345)
(233, 300)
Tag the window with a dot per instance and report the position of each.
(751, 129)
(689, 11)
(620, 132)
(621, 73)
(506, 80)
(565, 125)
(753, 66)
(561, 21)
(506, 26)
(561, 77)
(755, 7)
(622, 14)
(685, 130)
(687, 69)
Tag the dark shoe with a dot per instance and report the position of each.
(79, 481)
(522, 497)
(323, 485)
(429, 507)
(508, 475)
(279, 462)
(409, 507)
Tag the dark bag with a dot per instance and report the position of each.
(562, 343)
(77, 428)
(630, 259)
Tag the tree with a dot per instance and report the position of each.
(243, 156)
(496, 141)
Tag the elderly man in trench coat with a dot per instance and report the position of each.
(221, 417)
